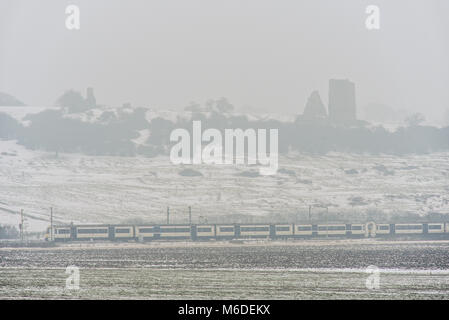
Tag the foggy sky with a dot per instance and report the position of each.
(267, 54)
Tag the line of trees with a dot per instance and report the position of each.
(113, 134)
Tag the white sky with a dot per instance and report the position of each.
(268, 54)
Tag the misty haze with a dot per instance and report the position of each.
(87, 119)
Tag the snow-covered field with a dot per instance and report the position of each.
(88, 189)
(271, 270)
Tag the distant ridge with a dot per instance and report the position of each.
(8, 100)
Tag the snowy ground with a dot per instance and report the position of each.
(88, 189)
(338, 270)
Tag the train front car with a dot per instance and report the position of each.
(47, 235)
(62, 234)
(58, 234)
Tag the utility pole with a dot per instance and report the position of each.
(310, 213)
(51, 223)
(168, 215)
(190, 215)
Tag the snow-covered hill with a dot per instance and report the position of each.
(89, 189)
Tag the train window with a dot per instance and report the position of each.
(203, 229)
(256, 229)
(282, 228)
(146, 230)
(434, 226)
(357, 227)
(62, 231)
(383, 228)
(331, 228)
(409, 227)
(92, 230)
(175, 230)
(226, 229)
(122, 230)
(304, 228)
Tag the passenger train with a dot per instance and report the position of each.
(242, 231)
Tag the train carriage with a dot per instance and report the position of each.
(237, 231)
